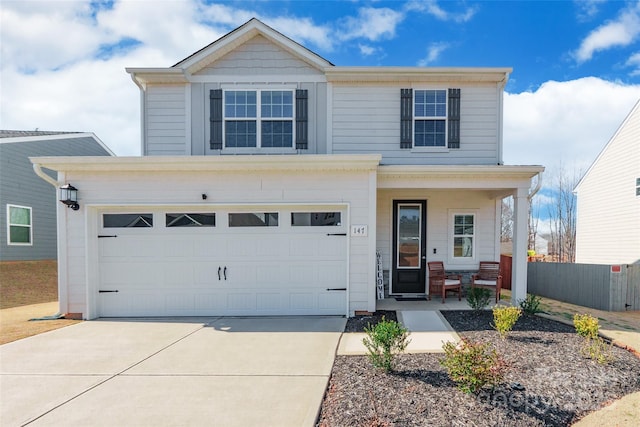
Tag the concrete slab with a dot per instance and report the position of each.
(205, 371)
(92, 348)
(229, 401)
(241, 346)
(428, 332)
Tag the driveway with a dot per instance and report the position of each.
(170, 372)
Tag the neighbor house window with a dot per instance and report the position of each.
(258, 118)
(430, 118)
(19, 226)
(253, 219)
(463, 235)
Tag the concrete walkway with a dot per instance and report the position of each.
(208, 371)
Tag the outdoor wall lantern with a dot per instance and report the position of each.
(69, 196)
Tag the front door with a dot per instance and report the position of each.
(409, 247)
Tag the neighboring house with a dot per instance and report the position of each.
(608, 209)
(27, 203)
(271, 177)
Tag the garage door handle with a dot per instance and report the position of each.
(336, 234)
(336, 289)
(225, 272)
(106, 292)
(102, 236)
(219, 269)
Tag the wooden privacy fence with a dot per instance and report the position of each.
(603, 287)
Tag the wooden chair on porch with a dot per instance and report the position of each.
(488, 277)
(440, 282)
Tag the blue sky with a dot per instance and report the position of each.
(576, 63)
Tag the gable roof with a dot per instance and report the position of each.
(634, 110)
(18, 136)
(200, 59)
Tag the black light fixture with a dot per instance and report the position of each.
(69, 196)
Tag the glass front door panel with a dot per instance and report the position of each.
(409, 234)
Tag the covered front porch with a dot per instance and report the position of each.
(449, 214)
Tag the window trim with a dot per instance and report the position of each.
(9, 225)
(451, 236)
(258, 118)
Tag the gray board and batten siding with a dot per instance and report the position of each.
(20, 186)
(603, 287)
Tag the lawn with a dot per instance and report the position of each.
(28, 289)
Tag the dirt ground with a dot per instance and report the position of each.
(28, 290)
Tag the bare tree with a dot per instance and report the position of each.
(562, 216)
(534, 217)
(506, 220)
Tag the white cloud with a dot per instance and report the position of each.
(620, 32)
(433, 53)
(587, 9)
(371, 24)
(634, 61)
(432, 8)
(568, 122)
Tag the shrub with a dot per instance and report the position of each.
(586, 325)
(478, 298)
(504, 318)
(473, 365)
(384, 341)
(598, 350)
(531, 305)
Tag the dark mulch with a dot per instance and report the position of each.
(560, 385)
(358, 323)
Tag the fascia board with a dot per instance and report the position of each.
(144, 76)
(417, 74)
(469, 171)
(211, 163)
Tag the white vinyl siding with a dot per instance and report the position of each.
(258, 57)
(165, 116)
(608, 211)
(366, 119)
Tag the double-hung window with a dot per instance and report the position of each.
(258, 118)
(464, 233)
(19, 227)
(430, 118)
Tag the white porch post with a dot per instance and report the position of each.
(520, 243)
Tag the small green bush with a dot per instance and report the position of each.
(473, 365)
(586, 325)
(504, 318)
(531, 305)
(478, 298)
(384, 341)
(597, 349)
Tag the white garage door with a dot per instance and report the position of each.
(186, 262)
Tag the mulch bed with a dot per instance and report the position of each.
(560, 385)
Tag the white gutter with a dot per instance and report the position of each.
(38, 170)
(537, 187)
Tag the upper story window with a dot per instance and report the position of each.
(258, 118)
(19, 228)
(430, 118)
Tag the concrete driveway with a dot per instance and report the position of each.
(170, 372)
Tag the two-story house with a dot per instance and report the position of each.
(270, 177)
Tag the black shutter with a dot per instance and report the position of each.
(302, 119)
(406, 118)
(215, 99)
(454, 118)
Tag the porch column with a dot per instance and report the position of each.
(520, 244)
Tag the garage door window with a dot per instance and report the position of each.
(134, 220)
(315, 219)
(253, 219)
(191, 220)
